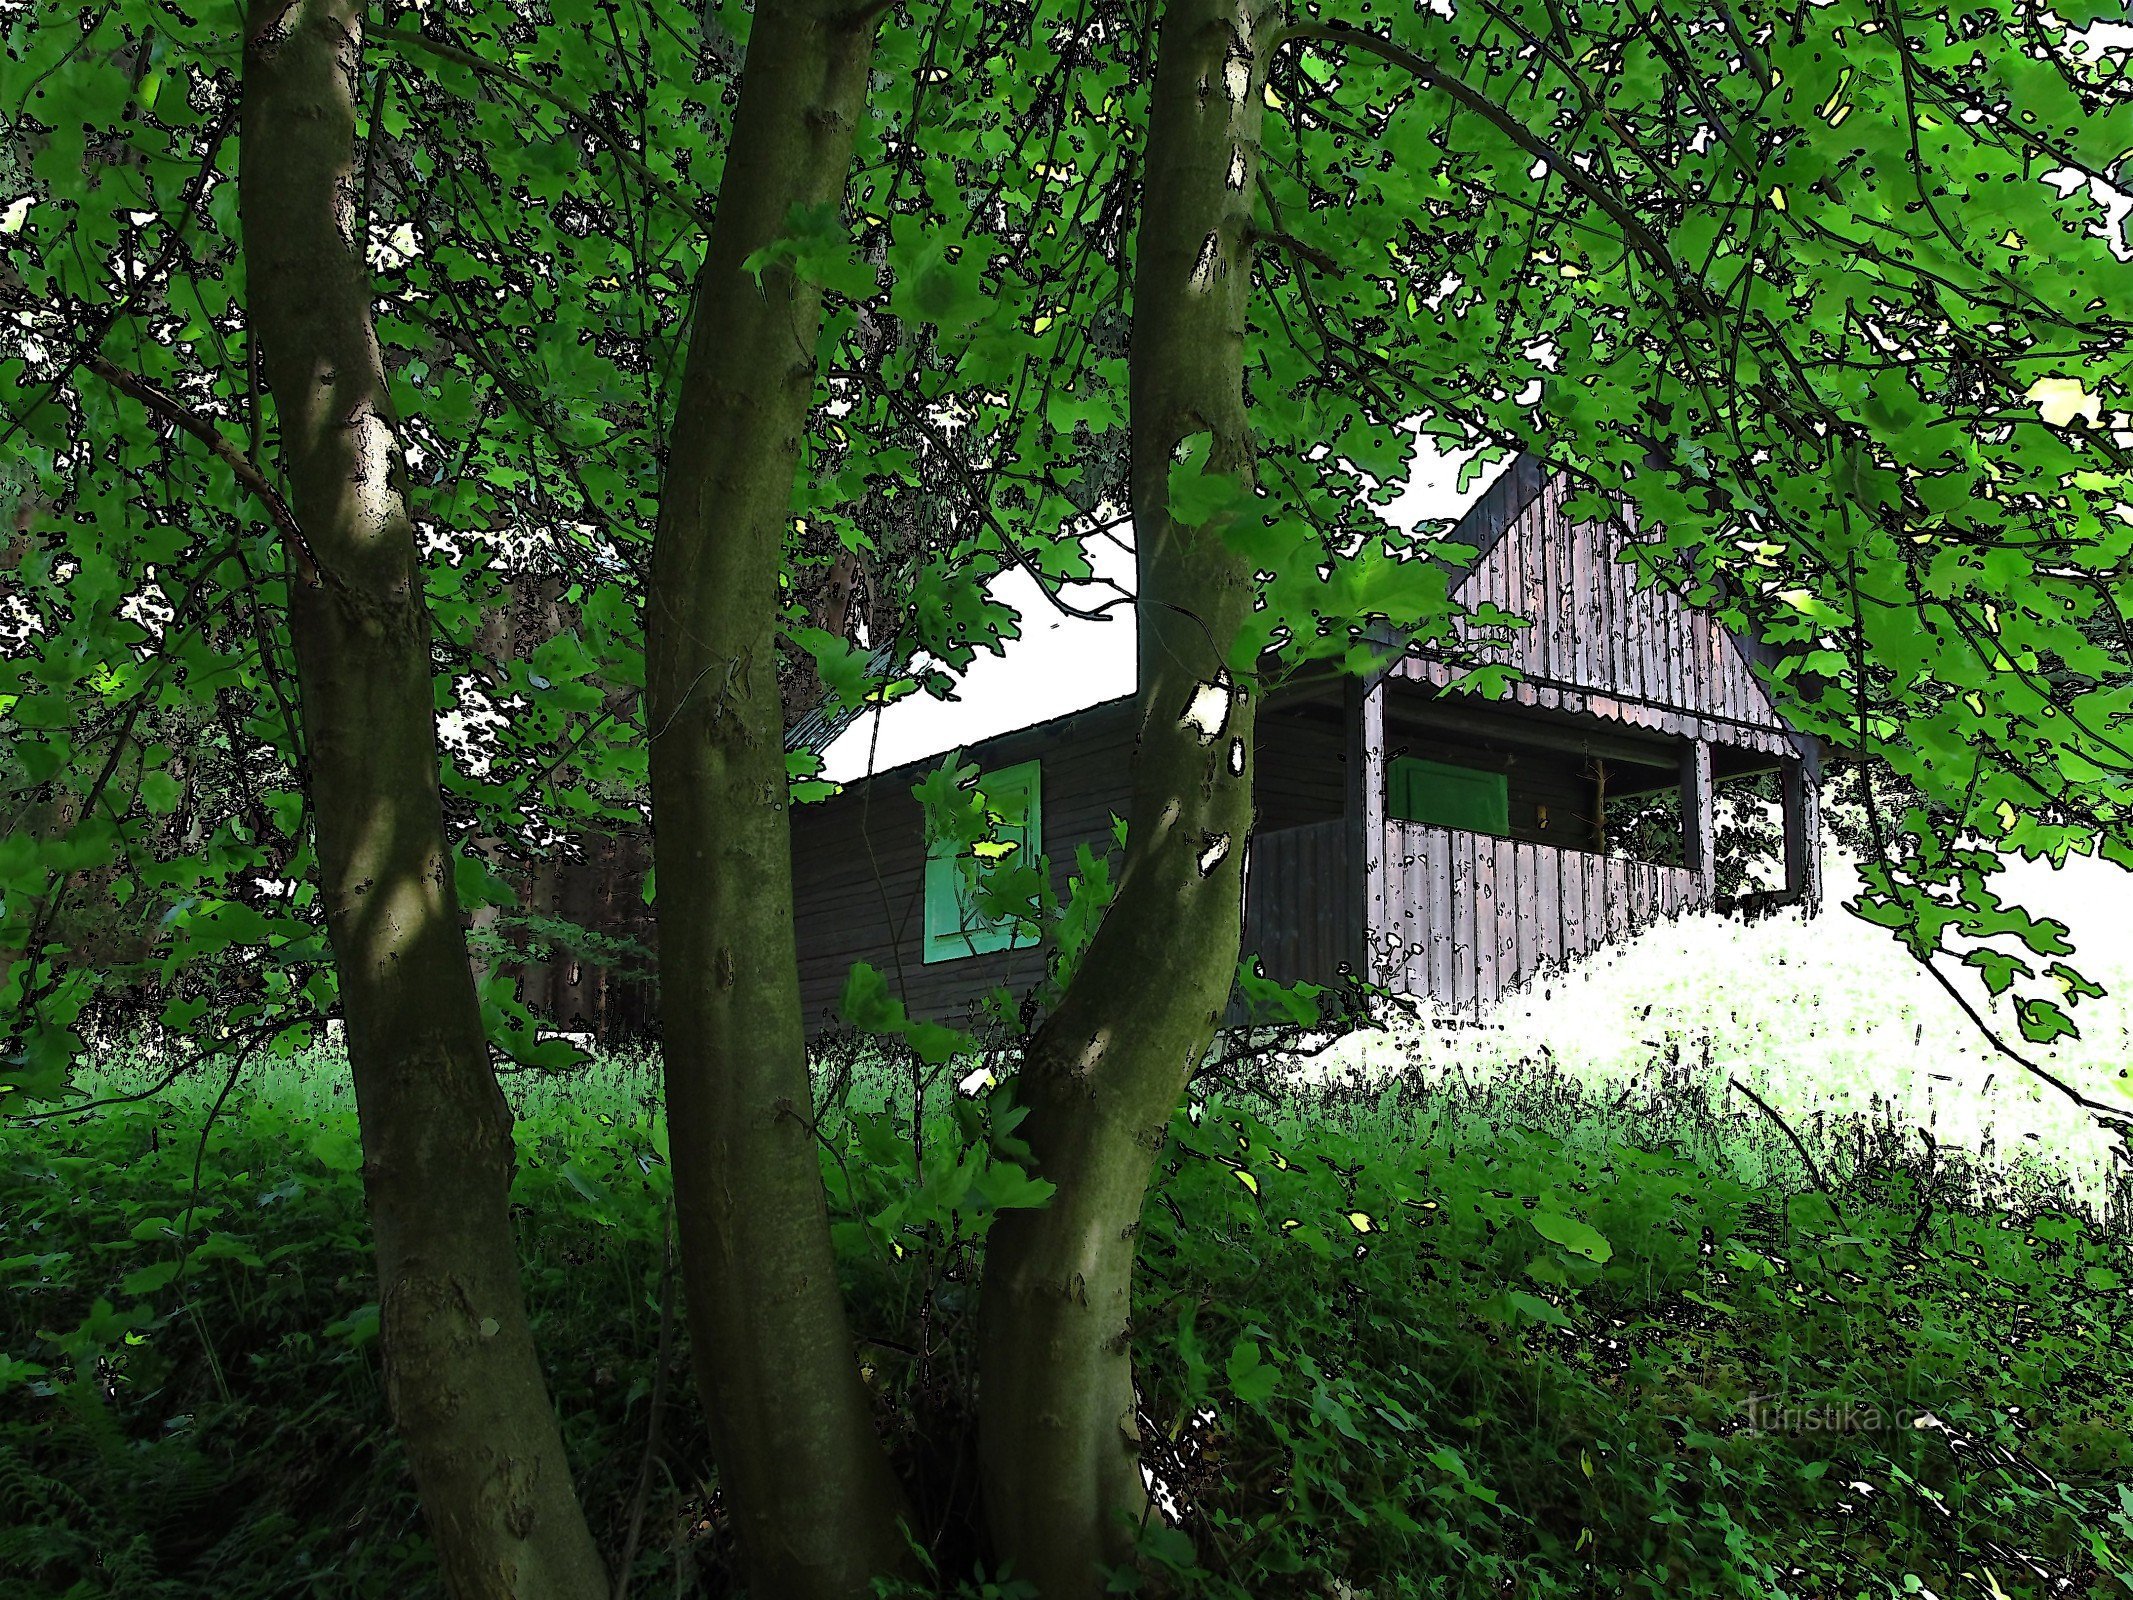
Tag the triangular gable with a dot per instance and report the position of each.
(1597, 641)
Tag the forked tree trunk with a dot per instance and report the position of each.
(467, 1393)
(1063, 1480)
(807, 1481)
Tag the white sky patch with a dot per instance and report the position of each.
(1213, 853)
(394, 250)
(2060, 400)
(1061, 664)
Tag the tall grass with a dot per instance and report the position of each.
(1432, 1337)
(1831, 1023)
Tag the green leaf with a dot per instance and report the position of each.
(148, 1279)
(336, 1148)
(865, 1002)
(1577, 1237)
(1535, 1308)
(356, 1329)
(1199, 497)
(595, 1194)
(1251, 1379)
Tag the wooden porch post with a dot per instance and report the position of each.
(1699, 818)
(1365, 703)
(1803, 835)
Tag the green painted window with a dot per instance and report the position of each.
(955, 924)
(1446, 796)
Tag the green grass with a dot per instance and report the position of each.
(1428, 1340)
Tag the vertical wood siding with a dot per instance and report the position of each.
(1600, 643)
(1302, 914)
(1467, 918)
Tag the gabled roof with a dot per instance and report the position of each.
(1488, 519)
(1105, 671)
(1500, 510)
(818, 730)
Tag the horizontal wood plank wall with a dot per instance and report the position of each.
(859, 866)
(1600, 644)
(1299, 770)
(1469, 917)
(1302, 916)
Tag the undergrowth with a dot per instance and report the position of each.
(1505, 1342)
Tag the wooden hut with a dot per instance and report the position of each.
(1442, 845)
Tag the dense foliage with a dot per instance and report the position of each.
(1352, 1375)
(1824, 303)
(1830, 290)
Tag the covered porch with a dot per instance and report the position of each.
(1454, 849)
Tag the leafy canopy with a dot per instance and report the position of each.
(1833, 293)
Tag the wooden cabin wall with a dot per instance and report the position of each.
(1459, 916)
(1299, 767)
(1302, 918)
(858, 859)
(1553, 793)
(1464, 918)
(1599, 644)
(859, 866)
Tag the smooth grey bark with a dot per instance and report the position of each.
(813, 1499)
(468, 1398)
(1058, 1432)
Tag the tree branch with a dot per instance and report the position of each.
(1647, 243)
(484, 68)
(187, 205)
(181, 416)
(1295, 247)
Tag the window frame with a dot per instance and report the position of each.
(946, 934)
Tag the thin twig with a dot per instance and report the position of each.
(30, 1119)
(1814, 1172)
(192, 1198)
(86, 350)
(481, 67)
(176, 412)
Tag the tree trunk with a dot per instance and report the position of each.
(808, 1483)
(1058, 1432)
(464, 1381)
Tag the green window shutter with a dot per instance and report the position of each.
(955, 926)
(1446, 796)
